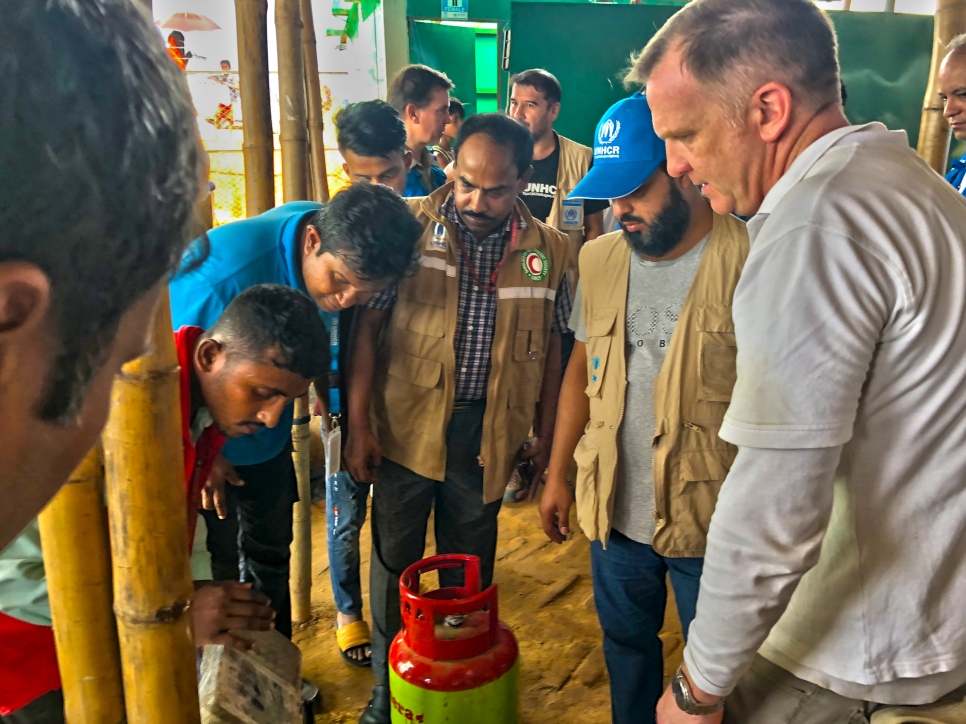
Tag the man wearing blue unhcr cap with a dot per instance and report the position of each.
(654, 363)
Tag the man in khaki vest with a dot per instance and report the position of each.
(646, 389)
(450, 369)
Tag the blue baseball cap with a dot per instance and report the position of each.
(626, 151)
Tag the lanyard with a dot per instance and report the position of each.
(332, 322)
(491, 287)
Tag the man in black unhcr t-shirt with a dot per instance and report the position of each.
(559, 164)
(542, 189)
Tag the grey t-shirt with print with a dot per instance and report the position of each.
(655, 294)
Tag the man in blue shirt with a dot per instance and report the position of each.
(421, 97)
(372, 140)
(339, 255)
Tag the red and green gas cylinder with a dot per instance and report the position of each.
(453, 662)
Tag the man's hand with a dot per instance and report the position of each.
(668, 711)
(213, 492)
(225, 606)
(539, 455)
(362, 455)
(555, 509)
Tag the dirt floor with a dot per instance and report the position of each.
(545, 597)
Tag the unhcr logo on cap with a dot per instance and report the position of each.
(608, 132)
(606, 135)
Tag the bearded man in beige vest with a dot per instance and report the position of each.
(643, 397)
(469, 358)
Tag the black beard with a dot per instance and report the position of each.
(666, 231)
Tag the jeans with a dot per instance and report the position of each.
(252, 543)
(345, 513)
(630, 593)
(401, 504)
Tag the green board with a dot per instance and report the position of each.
(451, 49)
(885, 58)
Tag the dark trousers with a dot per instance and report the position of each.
(252, 543)
(401, 504)
(47, 709)
(630, 592)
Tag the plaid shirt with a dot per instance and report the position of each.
(476, 310)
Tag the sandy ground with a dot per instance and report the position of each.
(545, 597)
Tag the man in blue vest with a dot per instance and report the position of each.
(340, 255)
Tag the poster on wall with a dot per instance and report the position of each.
(454, 9)
(204, 43)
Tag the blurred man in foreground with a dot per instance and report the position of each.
(97, 204)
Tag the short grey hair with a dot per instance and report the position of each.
(957, 46)
(734, 47)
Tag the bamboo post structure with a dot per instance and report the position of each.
(294, 141)
(293, 135)
(79, 587)
(300, 582)
(933, 130)
(144, 466)
(313, 99)
(256, 102)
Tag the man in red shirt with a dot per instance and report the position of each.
(236, 377)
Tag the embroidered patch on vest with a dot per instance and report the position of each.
(437, 242)
(535, 265)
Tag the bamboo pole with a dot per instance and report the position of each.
(257, 145)
(144, 467)
(933, 130)
(313, 99)
(293, 135)
(294, 141)
(79, 587)
(300, 581)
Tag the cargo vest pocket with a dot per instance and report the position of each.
(586, 497)
(718, 353)
(600, 338)
(427, 319)
(529, 339)
(692, 499)
(421, 372)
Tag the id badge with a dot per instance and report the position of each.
(572, 213)
(333, 450)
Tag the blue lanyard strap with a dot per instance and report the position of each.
(331, 320)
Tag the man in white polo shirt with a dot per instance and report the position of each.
(837, 551)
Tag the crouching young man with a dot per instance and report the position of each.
(236, 377)
(654, 362)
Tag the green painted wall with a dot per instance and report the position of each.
(449, 49)
(884, 57)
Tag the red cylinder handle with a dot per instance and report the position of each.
(422, 614)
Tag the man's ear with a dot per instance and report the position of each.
(311, 241)
(207, 353)
(25, 297)
(345, 168)
(554, 111)
(408, 159)
(771, 111)
(412, 113)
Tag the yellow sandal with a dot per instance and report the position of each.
(353, 636)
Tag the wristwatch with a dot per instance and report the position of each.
(685, 699)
